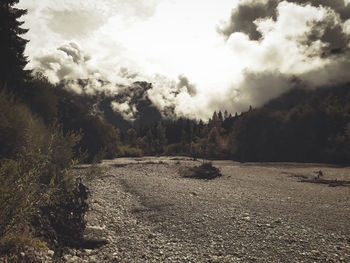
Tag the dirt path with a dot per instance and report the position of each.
(253, 213)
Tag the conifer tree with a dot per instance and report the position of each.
(161, 138)
(220, 117)
(12, 45)
(226, 115)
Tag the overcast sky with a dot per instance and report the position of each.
(200, 55)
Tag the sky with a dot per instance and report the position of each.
(199, 55)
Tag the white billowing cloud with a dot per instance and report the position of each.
(170, 94)
(69, 65)
(346, 26)
(175, 45)
(126, 110)
(67, 62)
(283, 53)
(178, 39)
(280, 47)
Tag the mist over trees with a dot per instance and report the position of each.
(299, 126)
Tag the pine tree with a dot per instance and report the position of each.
(12, 59)
(220, 116)
(161, 138)
(226, 115)
(213, 136)
(131, 136)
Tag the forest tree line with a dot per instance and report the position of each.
(299, 126)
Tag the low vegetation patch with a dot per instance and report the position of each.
(128, 151)
(41, 204)
(298, 176)
(331, 183)
(205, 171)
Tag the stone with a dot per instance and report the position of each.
(74, 259)
(51, 253)
(67, 257)
(88, 251)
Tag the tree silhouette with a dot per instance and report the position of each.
(12, 45)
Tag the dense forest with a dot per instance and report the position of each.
(299, 126)
(45, 130)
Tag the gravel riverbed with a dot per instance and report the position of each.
(147, 212)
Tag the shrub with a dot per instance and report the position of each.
(204, 171)
(34, 173)
(15, 122)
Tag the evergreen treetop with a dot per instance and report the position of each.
(12, 46)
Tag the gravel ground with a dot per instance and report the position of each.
(253, 213)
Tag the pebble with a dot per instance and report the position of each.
(67, 257)
(74, 259)
(140, 237)
(51, 253)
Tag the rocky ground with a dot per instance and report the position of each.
(147, 212)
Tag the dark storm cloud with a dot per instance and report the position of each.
(245, 14)
(339, 6)
(331, 34)
(328, 31)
